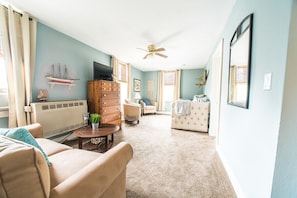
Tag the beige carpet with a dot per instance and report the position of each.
(172, 163)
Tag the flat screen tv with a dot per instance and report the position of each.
(102, 72)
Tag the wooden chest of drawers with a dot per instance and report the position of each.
(104, 98)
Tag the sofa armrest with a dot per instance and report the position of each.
(95, 178)
(154, 103)
(35, 129)
(142, 104)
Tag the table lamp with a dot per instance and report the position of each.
(137, 97)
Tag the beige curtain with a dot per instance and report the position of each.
(177, 85)
(115, 68)
(18, 34)
(160, 90)
(129, 81)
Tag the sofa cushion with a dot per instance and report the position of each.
(50, 147)
(23, 135)
(23, 170)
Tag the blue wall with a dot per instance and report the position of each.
(56, 48)
(150, 75)
(248, 138)
(136, 74)
(189, 79)
(285, 173)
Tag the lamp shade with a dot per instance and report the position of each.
(137, 96)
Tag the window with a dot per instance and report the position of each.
(122, 72)
(168, 89)
(123, 80)
(3, 85)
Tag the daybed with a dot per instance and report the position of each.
(24, 172)
(196, 119)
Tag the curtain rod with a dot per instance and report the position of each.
(30, 18)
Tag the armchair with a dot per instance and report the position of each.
(148, 106)
(132, 112)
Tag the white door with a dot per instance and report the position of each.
(216, 90)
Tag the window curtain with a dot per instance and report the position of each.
(160, 90)
(18, 33)
(115, 68)
(129, 80)
(177, 85)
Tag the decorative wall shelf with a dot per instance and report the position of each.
(60, 81)
(202, 79)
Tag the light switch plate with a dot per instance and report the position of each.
(267, 81)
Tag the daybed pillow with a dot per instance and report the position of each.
(23, 135)
(147, 101)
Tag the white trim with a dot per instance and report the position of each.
(3, 113)
(232, 177)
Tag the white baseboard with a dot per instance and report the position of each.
(232, 177)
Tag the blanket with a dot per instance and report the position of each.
(182, 107)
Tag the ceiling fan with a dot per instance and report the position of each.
(152, 50)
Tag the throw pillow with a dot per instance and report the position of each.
(147, 101)
(23, 135)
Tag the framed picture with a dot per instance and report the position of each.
(137, 85)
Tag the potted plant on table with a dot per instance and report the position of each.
(95, 119)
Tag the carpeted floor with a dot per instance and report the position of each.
(172, 163)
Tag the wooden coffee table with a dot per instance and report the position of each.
(104, 131)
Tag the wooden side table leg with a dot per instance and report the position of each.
(79, 142)
(106, 143)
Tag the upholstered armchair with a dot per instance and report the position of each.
(132, 112)
(148, 106)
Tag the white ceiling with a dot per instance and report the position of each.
(188, 29)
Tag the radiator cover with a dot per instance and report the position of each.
(59, 117)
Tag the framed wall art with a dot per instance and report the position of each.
(137, 87)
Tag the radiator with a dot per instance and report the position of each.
(59, 117)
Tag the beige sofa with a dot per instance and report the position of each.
(195, 120)
(73, 173)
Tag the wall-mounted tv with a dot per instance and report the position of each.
(102, 72)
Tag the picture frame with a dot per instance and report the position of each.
(137, 85)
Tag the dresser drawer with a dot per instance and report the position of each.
(109, 86)
(110, 102)
(116, 122)
(110, 110)
(110, 118)
(110, 94)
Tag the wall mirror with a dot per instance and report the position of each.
(240, 64)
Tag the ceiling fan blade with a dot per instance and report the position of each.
(159, 49)
(141, 49)
(147, 55)
(162, 55)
